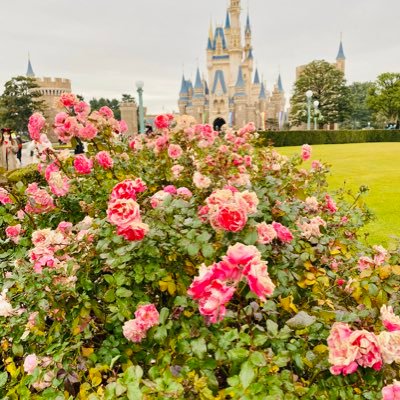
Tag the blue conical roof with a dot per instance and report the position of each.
(240, 81)
(340, 54)
(198, 83)
(184, 88)
(29, 71)
(219, 32)
(227, 21)
(262, 92)
(209, 45)
(250, 54)
(256, 78)
(248, 28)
(280, 86)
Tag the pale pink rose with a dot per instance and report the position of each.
(184, 192)
(391, 392)
(6, 309)
(266, 233)
(175, 151)
(365, 262)
(83, 165)
(123, 212)
(21, 215)
(87, 132)
(104, 159)
(311, 204)
(316, 165)
(171, 189)
(148, 315)
(123, 126)
(158, 198)
(380, 256)
(241, 254)
(176, 171)
(259, 281)
(133, 331)
(305, 152)
(369, 354)
(282, 232)
(39, 201)
(231, 217)
(59, 184)
(4, 197)
(35, 125)
(30, 363)
(251, 201)
(201, 181)
(106, 112)
(389, 344)
(330, 204)
(342, 354)
(134, 232)
(67, 100)
(65, 227)
(389, 319)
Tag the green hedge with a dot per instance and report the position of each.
(297, 138)
(27, 174)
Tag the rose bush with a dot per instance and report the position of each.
(189, 264)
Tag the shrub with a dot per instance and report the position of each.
(191, 266)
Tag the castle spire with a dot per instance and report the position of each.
(29, 72)
(256, 78)
(227, 21)
(248, 27)
(280, 86)
(340, 55)
(198, 84)
(262, 95)
(183, 86)
(240, 81)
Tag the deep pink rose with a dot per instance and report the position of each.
(35, 125)
(127, 189)
(389, 319)
(240, 254)
(282, 232)
(231, 217)
(369, 354)
(123, 126)
(136, 231)
(123, 213)
(13, 232)
(259, 281)
(67, 100)
(104, 159)
(305, 152)
(4, 197)
(330, 205)
(171, 189)
(162, 121)
(83, 165)
(87, 132)
(106, 112)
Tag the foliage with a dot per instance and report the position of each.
(27, 174)
(297, 138)
(359, 113)
(75, 281)
(384, 96)
(96, 104)
(127, 98)
(329, 88)
(18, 102)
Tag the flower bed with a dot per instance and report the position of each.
(189, 265)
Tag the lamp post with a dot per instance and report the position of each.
(309, 94)
(316, 104)
(139, 86)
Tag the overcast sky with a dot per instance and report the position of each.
(105, 46)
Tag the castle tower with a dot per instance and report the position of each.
(129, 113)
(183, 96)
(235, 45)
(340, 58)
(29, 71)
(240, 100)
(198, 98)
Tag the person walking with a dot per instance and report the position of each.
(8, 150)
(19, 152)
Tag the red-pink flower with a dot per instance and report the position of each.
(83, 165)
(162, 121)
(148, 315)
(123, 212)
(389, 319)
(391, 392)
(58, 183)
(282, 232)
(4, 197)
(87, 132)
(13, 232)
(175, 151)
(305, 152)
(127, 189)
(171, 189)
(104, 159)
(241, 254)
(106, 112)
(136, 231)
(67, 100)
(258, 279)
(330, 204)
(39, 201)
(82, 109)
(368, 353)
(35, 125)
(123, 126)
(266, 233)
(231, 217)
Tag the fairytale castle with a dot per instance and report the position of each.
(233, 93)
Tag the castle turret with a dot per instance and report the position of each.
(340, 58)
(183, 96)
(29, 71)
(240, 100)
(235, 45)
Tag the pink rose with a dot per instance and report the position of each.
(65, 227)
(184, 192)
(148, 315)
(127, 189)
(389, 344)
(82, 108)
(175, 151)
(250, 200)
(369, 354)
(305, 152)
(30, 363)
(136, 231)
(316, 165)
(67, 100)
(162, 121)
(390, 321)
(171, 189)
(83, 165)
(330, 205)
(266, 233)
(60, 119)
(391, 392)
(158, 198)
(365, 262)
(35, 125)
(123, 212)
(123, 126)
(282, 232)
(39, 201)
(58, 183)
(201, 181)
(13, 232)
(4, 197)
(259, 281)
(87, 132)
(133, 331)
(106, 112)
(231, 218)
(241, 254)
(104, 159)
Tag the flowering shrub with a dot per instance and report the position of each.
(189, 264)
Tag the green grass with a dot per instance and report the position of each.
(376, 165)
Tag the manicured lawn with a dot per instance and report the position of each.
(376, 165)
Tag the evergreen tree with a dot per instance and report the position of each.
(18, 102)
(384, 96)
(329, 88)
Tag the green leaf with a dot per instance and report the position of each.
(122, 292)
(199, 347)
(251, 238)
(238, 354)
(246, 374)
(193, 249)
(163, 315)
(207, 250)
(204, 237)
(3, 378)
(258, 359)
(272, 327)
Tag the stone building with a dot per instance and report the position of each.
(232, 93)
(51, 89)
(129, 113)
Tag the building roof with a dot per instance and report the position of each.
(248, 27)
(256, 78)
(198, 83)
(219, 33)
(209, 44)
(29, 71)
(262, 95)
(340, 54)
(183, 86)
(280, 86)
(219, 79)
(227, 21)
(240, 81)
(250, 55)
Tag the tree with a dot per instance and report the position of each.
(127, 98)
(18, 102)
(359, 112)
(96, 104)
(384, 96)
(329, 88)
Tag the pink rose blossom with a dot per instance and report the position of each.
(67, 100)
(316, 165)
(282, 232)
(6, 309)
(305, 152)
(60, 119)
(14, 232)
(175, 151)
(230, 218)
(4, 197)
(123, 126)
(330, 204)
(184, 192)
(391, 392)
(87, 132)
(65, 227)
(259, 281)
(127, 189)
(104, 159)
(133, 331)
(171, 189)
(266, 233)
(39, 201)
(83, 165)
(389, 319)
(158, 198)
(148, 315)
(365, 262)
(35, 125)
(389, 344)
(176, 171)
(123, 212)
(201, 181)
(163, 121)
(241, 254)
(82, 108)
(30, 363)
(136, 231)
(368, 351)
(58, 183)
(106, 112)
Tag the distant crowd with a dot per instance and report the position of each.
(10, 150)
